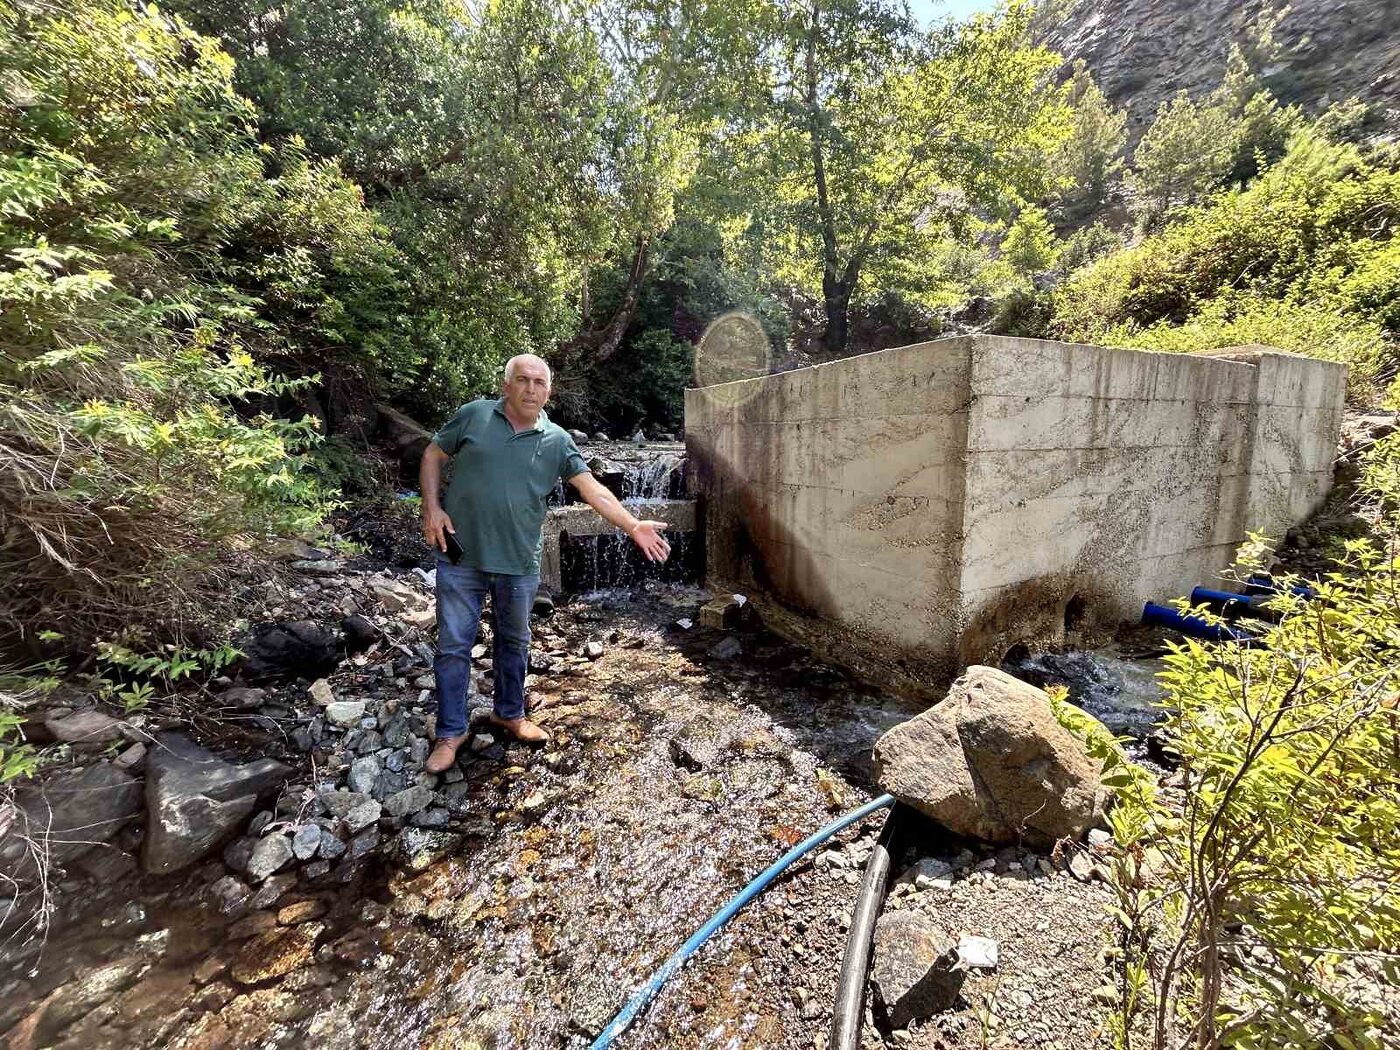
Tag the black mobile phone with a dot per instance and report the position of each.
(454, 549)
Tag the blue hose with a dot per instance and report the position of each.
(668, 969)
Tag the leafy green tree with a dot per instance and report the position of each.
(1029, 245)
(869, 139)
(1091, 156)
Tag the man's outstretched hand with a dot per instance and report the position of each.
(647, 536)
(435, 524)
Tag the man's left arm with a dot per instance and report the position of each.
(645, 534)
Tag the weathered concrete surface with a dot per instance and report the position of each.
(913, 511)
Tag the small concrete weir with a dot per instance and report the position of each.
(913, 511)
(582, 552)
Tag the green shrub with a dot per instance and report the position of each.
(1261, 895)
(152, 255)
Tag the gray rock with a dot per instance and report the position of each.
(912, 968)
(238, 852)
(436, 817)
(363, 844)
(991, 762)
(271, 891)
(726, 648)
(315, 870)
(362, 816)
(331, 847)
(242, 698)
(270, 855)
(925, 871)
(420, 848)
(306, 841)
(408, 801)
(339, 803)
(68, 814)
(231, 895)
(579, 436)
(195, 800)
(78, 997)
(394, 762)
(363, 773)
(418, 751)
(387, 784)
(593, 650)
(345, 712)
(85, 727)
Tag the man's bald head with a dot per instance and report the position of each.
(525, 387)
(527, 359)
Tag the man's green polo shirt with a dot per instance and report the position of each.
(500, 481)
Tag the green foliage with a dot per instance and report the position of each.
(134, 676)
(1195, 147)
(134, 310)
(1275, 866)
(1091, 156)
(1304, 258)
(1029, 245)
(870, 143)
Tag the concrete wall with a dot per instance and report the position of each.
(914, 510)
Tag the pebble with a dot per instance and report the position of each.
(321, 692)
(270, 855)
(306, 841)
(362, 816)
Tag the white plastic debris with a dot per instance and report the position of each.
(739, 600)
(977, 953)
(685, 623)
(429, 577)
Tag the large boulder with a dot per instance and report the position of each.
(196, 800)
(300, 648)
(64, 817)
(990, 762)
(914, 967)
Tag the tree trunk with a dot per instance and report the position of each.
(599, 344)
(837, 294)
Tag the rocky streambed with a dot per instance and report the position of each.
(517, 900)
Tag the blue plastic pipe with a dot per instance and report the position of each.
(1165, 616)
(1232, 604)
(671, 966)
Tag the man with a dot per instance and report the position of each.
(506, 457)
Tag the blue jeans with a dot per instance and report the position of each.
(461, 591)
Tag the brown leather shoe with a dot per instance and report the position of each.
(444, 754)
(521, 728)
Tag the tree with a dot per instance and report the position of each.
(1092, 154)
(868, 138)
(1029, 246)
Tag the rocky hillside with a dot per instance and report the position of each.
(1142, 53)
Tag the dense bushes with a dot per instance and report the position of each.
(1261, 896)
(1303, 258)
(152, 254)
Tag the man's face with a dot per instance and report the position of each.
(527, 389)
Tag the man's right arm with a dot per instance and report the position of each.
(435, 519)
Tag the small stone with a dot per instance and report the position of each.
(339, 803)
(132, 758)
(593, 650)
(977, 953)
(306, 841)
(482, 742)
(243, 698)
(1080, 866)
(85, 727)
(362, 816)
(252, 925)
(271, 891)
(437, 817)
(331, 847)
(301, 911)
(1099, 838)
(321, 692)
(394, 763)
(270, 855)
(363, 773)
(315, 870)
(408, 801)
(345, 712)
(231, 894)
(726, 648)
